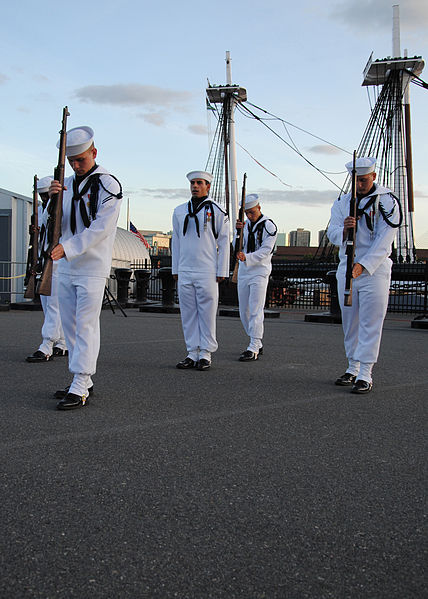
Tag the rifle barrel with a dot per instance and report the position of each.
(350, 243)
(54, 228)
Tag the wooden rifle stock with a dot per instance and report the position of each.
(240, 239)
(350, 242)
(55, 213)
(33, 250)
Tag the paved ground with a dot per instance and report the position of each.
(257, 480)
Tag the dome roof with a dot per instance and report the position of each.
(127, 249)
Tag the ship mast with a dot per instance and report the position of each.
(222, 160)
(388, 135)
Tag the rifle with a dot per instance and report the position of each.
(240, 239)
(55, 213)
(350, 243)
(33, 249)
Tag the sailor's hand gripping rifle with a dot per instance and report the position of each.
(240, 237)
(55, 213)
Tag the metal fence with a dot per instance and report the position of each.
(292, 285)
(12, 281)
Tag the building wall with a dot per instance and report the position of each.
(300, 238)
(15, 217)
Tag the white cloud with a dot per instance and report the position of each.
(3, 78)
(198, 129)
(325, 149)
(370, 15)
(180, 194)
(300, 197)
(154, 118)
(132, 94)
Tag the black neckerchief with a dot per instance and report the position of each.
(362, 210)
(369, 218)
(252, 229)
(78, 197)
(194, 206)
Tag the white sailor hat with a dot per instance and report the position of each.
(251, 200)
(363, 166)
(200, 175)
(43, 184)
(78, 141)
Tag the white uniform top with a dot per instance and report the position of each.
(204, 254)
(259, 262)
(372, 248)
(88, 252)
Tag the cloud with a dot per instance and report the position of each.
(366, 15)
(420, 193)
(299, 197)
(197, 129)
(132, 94)
(154, 118)
(3, 78)
(41, 78)
(325, 149)
(161, 194)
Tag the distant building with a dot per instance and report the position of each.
(301, 238)
(158, 241)
(15, 218)
(281, 239)
(323, 239)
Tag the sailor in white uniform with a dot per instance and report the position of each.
(91, 206)
(53, 341)
(378, 216)
(200, 260)
(255, 265)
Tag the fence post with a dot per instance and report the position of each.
(168, 285)
(122, 277)
(142, 277)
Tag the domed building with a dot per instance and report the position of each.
(128, 249)
(129, 252)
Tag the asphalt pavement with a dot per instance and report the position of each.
(251, 480)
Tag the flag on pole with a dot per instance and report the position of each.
(136, 232)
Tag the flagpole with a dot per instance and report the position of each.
(127, 216)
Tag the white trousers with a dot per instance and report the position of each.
(252, 298)
(52, 332)
(198, 297)
(363, 321)
(81, 300)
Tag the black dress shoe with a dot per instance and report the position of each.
(186, 363)
(203, 364)
(346, 380)
(261, 351)
(39, 356)
(72, 401)
(248, 356)
(361, 387)
(63, 392)
(57, 351)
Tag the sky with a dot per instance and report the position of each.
(136, 72)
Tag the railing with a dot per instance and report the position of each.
(12, 281)
(302, 285)
(292, 285)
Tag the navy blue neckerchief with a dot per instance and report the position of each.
(193, 207)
